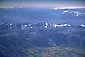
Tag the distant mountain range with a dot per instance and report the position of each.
(34, 15)
(29, 32)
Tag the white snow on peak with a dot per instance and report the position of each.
(10, 24)
(60, 25)
(66, 11)
(25, 25)
(67, 8)
(82, 25)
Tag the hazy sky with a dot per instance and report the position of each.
(42, 0)
(42, 3)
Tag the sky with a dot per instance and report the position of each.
(41, 3)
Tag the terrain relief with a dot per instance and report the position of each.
(37, 32)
